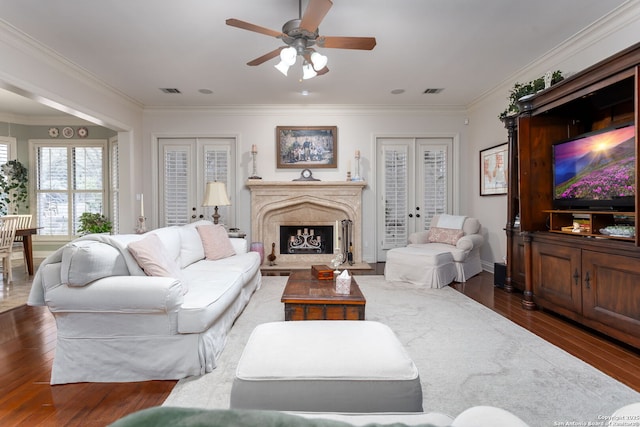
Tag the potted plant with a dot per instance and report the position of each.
(523, 89)
(94, 223)
(13, 187)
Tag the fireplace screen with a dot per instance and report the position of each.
(317, 239)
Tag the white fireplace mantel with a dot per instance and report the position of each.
(276, 203)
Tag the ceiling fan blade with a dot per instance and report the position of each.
(314, 14)
(266, 57)
(252, 27)
(325, 70)
(363, 43)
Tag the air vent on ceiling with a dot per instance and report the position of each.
(433, 90)
(170, 90)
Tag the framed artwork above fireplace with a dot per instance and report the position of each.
(306, 146)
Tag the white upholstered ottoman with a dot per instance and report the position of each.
(420, 266)
(326, 366)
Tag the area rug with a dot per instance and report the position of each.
(467, 355)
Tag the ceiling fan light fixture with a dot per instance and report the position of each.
(308, 72)
(282, 67)
(288, 56)
(319, 61)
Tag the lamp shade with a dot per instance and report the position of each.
(319, 61)
(216, 194)
(308, 71)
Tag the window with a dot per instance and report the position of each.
(69, 180)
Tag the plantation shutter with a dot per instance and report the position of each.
(115, 187)
(176, 183)
(70, 180)
(435, 181)
(216, 168)
(395, 197)
(187, 165)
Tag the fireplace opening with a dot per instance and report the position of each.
(312, 239)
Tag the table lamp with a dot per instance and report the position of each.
(216, 195)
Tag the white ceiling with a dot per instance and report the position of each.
(466, 47)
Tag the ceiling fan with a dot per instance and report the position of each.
(300, 36)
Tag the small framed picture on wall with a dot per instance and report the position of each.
(493, 170)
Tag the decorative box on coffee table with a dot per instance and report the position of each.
(307, 298)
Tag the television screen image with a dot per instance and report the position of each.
(596, 169)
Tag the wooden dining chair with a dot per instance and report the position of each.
(24, 221)
(8, 226)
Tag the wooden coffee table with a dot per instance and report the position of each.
(307, 298)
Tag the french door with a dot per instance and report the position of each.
(186, 165)
(414, 183)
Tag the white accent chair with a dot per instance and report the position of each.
(449, 251)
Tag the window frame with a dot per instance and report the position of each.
(34, 145)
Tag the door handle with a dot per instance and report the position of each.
(410, 215)
(587, 281)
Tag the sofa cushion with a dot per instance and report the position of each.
(210, 296)
(445, 235)
(170, 238)
(84, 261)
(191, 249)
(215, 241)
(153, 258)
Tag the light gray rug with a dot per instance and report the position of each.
(467, 356)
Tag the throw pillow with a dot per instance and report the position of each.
(215, 241)
(84, 261)
(153, 257)
(449, 236)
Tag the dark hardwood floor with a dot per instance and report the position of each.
(27, 346)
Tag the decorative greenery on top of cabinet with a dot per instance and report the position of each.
(523, 89)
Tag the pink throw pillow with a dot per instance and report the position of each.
(449, 236)
(153, 257)
(215, 242)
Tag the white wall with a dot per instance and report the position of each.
(357, 130)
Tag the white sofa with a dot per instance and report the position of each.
(117, 324)
(435, 260)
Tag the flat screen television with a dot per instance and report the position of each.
(596, 170)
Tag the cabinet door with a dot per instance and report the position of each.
(556, 275)
(611, 290)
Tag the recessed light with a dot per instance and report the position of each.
(205, 91)
(305, 93)
(397, 91)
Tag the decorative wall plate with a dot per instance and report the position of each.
(83, 132)
(53, 132)
(68, 132)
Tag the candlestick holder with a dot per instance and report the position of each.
(141, 228)
(357, 176)
(254, 174)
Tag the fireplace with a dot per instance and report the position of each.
(306, 239)
(304, 204)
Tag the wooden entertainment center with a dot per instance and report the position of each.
(583, 274)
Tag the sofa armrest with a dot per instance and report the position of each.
(470, 241)
(419, 237)
(121, 294)
(239, 245)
